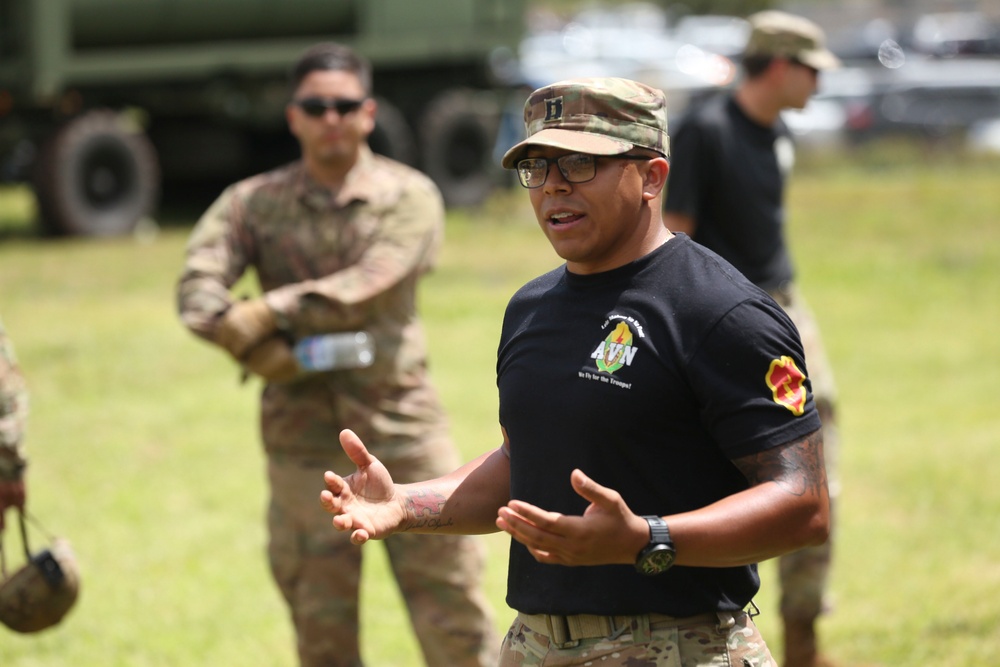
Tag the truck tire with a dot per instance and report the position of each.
(392, 136)
(96, 177)
(457, 134)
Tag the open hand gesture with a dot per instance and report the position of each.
(607, 533)
(365, 503)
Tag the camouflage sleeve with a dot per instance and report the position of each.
(217, 255)
(13, 412)
(409, 236)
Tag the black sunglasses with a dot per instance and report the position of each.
(318, 106)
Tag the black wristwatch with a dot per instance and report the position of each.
(657, 556)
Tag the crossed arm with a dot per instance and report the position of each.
(785, 508)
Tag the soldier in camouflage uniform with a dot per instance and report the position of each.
(731, 155)
(659, 435)
(338, 241)
(13, 416)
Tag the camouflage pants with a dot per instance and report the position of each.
(318, 571)
(723, 640)
(803, 574)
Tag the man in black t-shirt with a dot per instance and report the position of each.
(729, 159)
(659, 432)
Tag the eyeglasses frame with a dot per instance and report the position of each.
(549, 161)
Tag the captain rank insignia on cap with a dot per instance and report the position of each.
(553, 108)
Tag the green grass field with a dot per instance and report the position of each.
(145, 453)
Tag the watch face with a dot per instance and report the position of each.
(656, 560)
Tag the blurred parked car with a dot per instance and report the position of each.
(917, 80)
(947, 34)
(928, 87)
(928, 98)
(631, 40)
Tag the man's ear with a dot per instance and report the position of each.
(777, 68)
(655, 178)
(370, 109)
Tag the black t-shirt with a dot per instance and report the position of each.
(649, 378)
(726, 174)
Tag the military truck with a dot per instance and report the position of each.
(103, 103)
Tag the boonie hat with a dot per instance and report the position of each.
(784, 35)
(599, 116)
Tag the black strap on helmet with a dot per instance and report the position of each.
(43, 560)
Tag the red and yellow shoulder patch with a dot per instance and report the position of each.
(787, 384)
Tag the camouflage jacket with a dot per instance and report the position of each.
(327, 263)
(13, 412)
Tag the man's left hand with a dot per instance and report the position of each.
(273, 360)
(607, 533)
(244, 325)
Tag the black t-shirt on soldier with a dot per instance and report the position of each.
(727, 173)
(650, 378)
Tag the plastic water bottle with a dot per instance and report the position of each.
(334, 352)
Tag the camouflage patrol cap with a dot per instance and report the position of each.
(605, 116)
(779, 34)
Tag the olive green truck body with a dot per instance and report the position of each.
(105, 102)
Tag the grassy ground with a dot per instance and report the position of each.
(145, 452)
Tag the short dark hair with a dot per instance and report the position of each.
(330, 56)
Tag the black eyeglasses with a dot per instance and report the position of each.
(575, 168)
(318, 106)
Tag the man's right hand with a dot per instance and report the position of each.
(365, 503)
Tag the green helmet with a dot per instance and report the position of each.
(42, 592)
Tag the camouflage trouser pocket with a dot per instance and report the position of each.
(745, 647)
(732, 641)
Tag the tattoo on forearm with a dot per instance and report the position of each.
(426, 508)
(797, 468)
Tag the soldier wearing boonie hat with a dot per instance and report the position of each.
(716, 146)
(600, 116)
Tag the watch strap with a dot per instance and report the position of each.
(658, 531)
